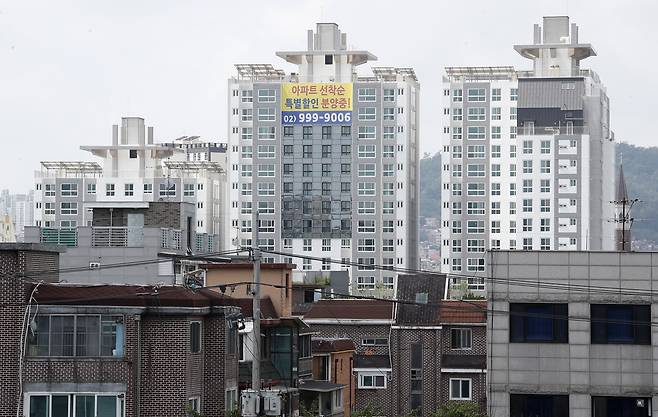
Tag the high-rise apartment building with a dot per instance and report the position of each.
(528, 156)
(20, 209)
(329, 158)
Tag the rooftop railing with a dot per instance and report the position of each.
(56, 236)
(550, 130)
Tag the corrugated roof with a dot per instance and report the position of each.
(350, 309)
(463, 311)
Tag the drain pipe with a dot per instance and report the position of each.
(138, 370)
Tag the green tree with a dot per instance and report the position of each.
(459, 409)
(368, 411)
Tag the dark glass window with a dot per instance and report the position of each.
(326, 188)
(345, 149)
(624, 324)
(328, 59)
(287, 187)
(133, 153)
(522, 405)
(539, 323)
(620, 407)
(287, 149)
(288, 131)
(326, 132)
(195, 337)
(307, 132)
(346, 130)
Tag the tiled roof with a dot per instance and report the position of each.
(351, 309)
(144, 296)
(331, 345)
(463, 311)
(411, 290)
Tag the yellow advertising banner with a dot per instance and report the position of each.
(316, 102)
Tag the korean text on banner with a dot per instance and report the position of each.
(316, 103)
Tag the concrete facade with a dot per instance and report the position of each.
(323, 189)
(528, 156)
(577, 368)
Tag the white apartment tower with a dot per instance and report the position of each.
(133, 172)
(329, 158)
(528, 156)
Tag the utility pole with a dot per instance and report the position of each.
(255, 253)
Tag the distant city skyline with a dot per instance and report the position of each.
(75, 67)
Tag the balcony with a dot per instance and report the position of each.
(117, 237)
(552, 130)
(66, 237)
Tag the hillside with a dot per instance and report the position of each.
(640, 169)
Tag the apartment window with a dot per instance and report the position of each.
(88, 404)
(288, 169)
(245, 189)
(476, 208)
(366, 207)
(247, 115)
(475, 189)
(246, 170)
(267, 132)
(345, 131)
(195, 336)
(266, 170)
(288, 131)
(512, 188)
(389, 94)
(69, 190)
(388, 170)
(538, 323)
(545, 243)
(495, 207)
(495, 226)
(188, 190)
(545, 166)
(326, 132)
(457, 170)
(457, 95)
(495, 94)
(366, 245)
(495, 170)
(545, 205)
(535, 405)
(475, 245)
(527, 243)
(367, 94)
(495, 132)
(512, 132)
(456, 189)
(365, 283)
(545, 146)
(267, 95)
(248, 151)
(247, 133)
(527, 225)
(527, 146)
(527, 186)
(457, 151)
(475, 226)
(527, 205)
(475, 170)
(266, 151)
(345, 150)
(545, 186)
(477, 94)
(545, 225)
(77, 335)
(527, 166)
(620, 324)
(476, 114)
(366, 188)
(388, 226)
(514, 94)
(366, 226)
(48, 208)
(247, 96)
(372, 380)
(495, 113)
(367, 113)
(367, 132)
(456, 226)
(326, 151)
(476, 132)
(457, 114)
(476, 151)
(266, 114)
(326, 170)
(109, 190)
(266, 189)
(460, 389)
(128, 190)
(388, 245)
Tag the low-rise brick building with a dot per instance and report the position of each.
(111, 350)
(416, 353)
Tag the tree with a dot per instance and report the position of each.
(459, 409)
(368, 411)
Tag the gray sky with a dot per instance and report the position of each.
(71, 69)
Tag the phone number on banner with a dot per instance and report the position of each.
(319, 117)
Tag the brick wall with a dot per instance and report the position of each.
(355, 333)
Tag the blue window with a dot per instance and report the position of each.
(622, 324)
(539, 323)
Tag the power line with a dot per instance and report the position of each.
(535, 283)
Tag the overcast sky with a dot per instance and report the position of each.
(71, 69)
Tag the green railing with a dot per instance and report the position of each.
(65, 236)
